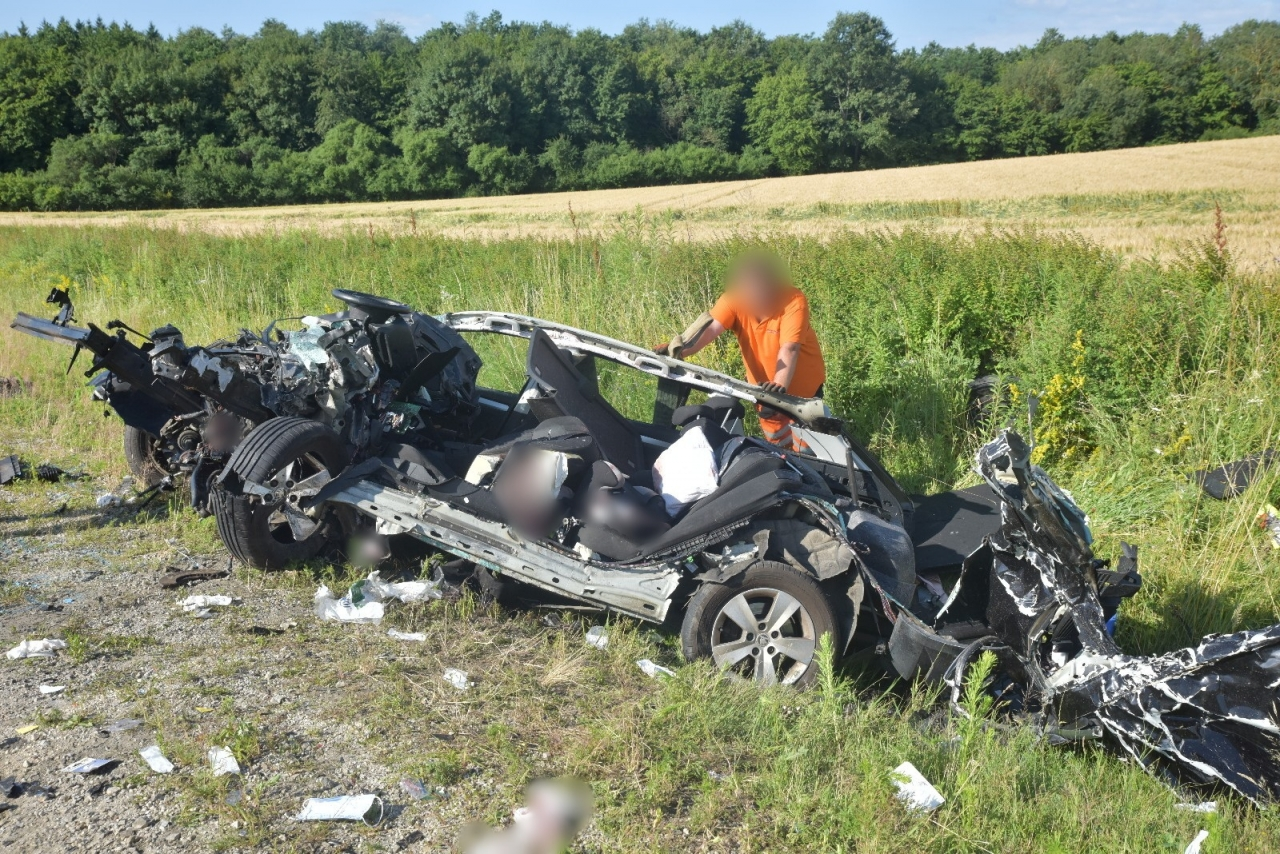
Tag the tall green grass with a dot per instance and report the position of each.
(1179, 367)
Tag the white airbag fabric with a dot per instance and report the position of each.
(686, 471)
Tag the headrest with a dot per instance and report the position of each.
(715, 410)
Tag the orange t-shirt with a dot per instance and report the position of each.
(761, 339)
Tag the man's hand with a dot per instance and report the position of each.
(776, 388)
(670, 349)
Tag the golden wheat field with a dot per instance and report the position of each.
(1144, 202)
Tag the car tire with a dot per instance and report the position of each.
(793, 609)
(254, 530)
(140, 454)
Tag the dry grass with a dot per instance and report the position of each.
(1142, 202)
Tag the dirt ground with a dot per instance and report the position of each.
(265, 678)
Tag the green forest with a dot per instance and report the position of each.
(103, 116)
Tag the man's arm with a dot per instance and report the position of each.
(785, 370)
(713, 331)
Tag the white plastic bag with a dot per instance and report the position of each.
(377, 590)
(36, 649)
(344, 610)
(686, 471)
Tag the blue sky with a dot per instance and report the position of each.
(996, 23)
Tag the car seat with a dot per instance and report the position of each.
(562, 390)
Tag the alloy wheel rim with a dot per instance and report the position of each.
(764, 634)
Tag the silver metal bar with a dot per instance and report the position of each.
(643, 592)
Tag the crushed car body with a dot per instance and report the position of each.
(372, 423)
(187, 407)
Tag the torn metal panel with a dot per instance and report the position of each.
(10, 469)
(1211, 710)
(1231, 479)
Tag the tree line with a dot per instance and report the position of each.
(102, 116)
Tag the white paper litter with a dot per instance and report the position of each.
(223, 761)
(199, 603)
(88, 765)
(156, 759)
(1194, 847)
(1203, 806)
(107, 500)
(598, 637)
(686, 471)
(917, 793)
(36, 649)
(406, 636)
(366, 808)
(52, 689)
(458, 679)
(653, 670)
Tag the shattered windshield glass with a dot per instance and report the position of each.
(305, 344)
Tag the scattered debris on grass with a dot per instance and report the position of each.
(363, 602)
(36, 649)
(193, 574)
(653, 670)
(89, 765)
(14, 386)
(598, 637)
(202, 606)
(420, 791)
(344, 610)
(916, 792)
(1194, 847)
(156, 759)
(366, 808)
(1268, 519)
(406, 636)
(10, 470)
(458, 679)
(1229, 480)
(122, 725)
(107, 499)
(223, 761)
(52, 689)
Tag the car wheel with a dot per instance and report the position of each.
(762, 624)
(141, 452)
(292, 457)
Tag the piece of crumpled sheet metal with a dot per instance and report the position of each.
(1212, 711)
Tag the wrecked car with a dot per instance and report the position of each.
(187, 407)
(372, 422)
(754, 553)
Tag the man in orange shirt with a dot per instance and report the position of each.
(770, 318)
